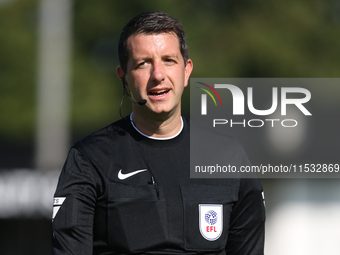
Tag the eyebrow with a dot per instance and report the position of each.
(171, 56)
(146, 57)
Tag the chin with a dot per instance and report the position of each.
(164, 109)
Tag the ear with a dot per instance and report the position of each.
(188, 69)
(121, 77)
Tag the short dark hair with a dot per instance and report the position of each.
(151, 22)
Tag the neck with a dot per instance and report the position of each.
(160, 127)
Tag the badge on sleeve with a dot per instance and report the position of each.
(211, 221)
(57, 202)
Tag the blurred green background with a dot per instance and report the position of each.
(266, 38)
(226, 38)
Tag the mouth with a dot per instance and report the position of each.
(158, 93)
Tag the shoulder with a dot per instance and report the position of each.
(104, 138)
(204, 134)
(208, 137)
(210, 148)
(111, 131)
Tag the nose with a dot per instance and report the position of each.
(158, 72)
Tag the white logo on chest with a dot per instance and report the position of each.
(211, 221)
(122, 176)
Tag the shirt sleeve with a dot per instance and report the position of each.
(73, 208)
(246, 232)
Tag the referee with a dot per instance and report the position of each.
(126, 189)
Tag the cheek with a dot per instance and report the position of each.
(137, 82)
(177, 76)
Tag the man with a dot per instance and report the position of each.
(126, 189)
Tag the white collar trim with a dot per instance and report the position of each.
(157, 138)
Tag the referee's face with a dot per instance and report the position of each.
(156, 72)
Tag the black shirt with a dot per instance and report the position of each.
(122, 193)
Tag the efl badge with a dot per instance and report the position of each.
(211, 221)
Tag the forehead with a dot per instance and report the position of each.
(153, 43)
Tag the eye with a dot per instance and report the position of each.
(142, 64)
(170, 61)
